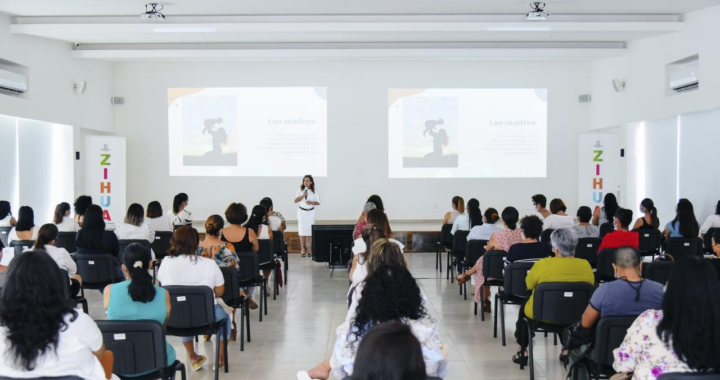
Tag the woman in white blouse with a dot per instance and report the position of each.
(181, 216)
(46, 239)
(558, 218)
(134, 227)
(462, 222)
(458, 208)
(63, 220)
(712, 221)
(306, 197)
(156, 219)
(6, 218)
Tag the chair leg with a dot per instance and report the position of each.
(451, 270)
(495, 317)
(262, 297)
(448, 266)
(266, 297)
(482, 303)
(437, 258)
(225, 351)
(555, 339)
(465, 291)
(247, 320)
(475, 308)
(502, 321)
(242, 326)
(531, 364)
(217, 352)
(275, 282)
(183, 375)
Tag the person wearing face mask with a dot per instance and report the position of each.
(630, 295)
(621, 237)
(539, 202)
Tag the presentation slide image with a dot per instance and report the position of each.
(467, 133)
(206, 141)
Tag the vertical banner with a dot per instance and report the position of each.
(105, 175)
(597, 168)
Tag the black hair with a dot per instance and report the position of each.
(135, 215)
(624, 216)
(474, 213)
(716, 236)
(389, 351)
(81, 204)
(312, 185)
(584, 214)
(60, 211)
(154, 210)
(267, 203)
(35, 303)
(510, 216)
(557, 205)
(93, 228)
(539, 199)
(6, 210)
(26, 219)
(685, 216)
(531, 226)
(611, 205)
(46, 234)
(256, 219)
(691, 300)
(717, 208)
(491, 215)
(377, 201)
(236, 213)
(141, 287)
(390, 294)
(177, 201)
(649, 205)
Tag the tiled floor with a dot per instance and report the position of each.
(299, 330)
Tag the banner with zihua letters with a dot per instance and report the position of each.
(597, 168)
(105, 175)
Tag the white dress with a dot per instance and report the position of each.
(306, 212)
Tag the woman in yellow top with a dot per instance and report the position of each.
(564, 267)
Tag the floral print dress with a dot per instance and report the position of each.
(223, 254)
(644, 353)
(505, 239)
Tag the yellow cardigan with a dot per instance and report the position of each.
(557, 269)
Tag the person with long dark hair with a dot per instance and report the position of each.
(682, 337)
(276, 220)
(458, 208)
(80, 206)
(6, 217)
(380, 220)
(389, 294)
(306, 197)
(137, 298)
(25, 227)
(92, 237)
(462, 221)
(487, 227)
(47, 236)
(607, 212)
(649, 219)
(370, 234)
(180, 214)
(257, 222)
(685, 225)
(41, 333)
(156, 219)
(377, 201)
(389, 351)
(558, 218)
(712, 221)
(63, 220)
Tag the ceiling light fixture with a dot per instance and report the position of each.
(538, 12)
(153, 12)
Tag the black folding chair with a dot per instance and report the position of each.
(605, 271)
(493, 266)
(689, 376)
(473, 251)
(556, 306)
(280, 247)
(268, 260)
(587, 248)
(21, 246)
(649, 242)
(161, 244)
(458, 252)
(446, 242)
(606, 228)
(681, 247)
(138, 347)
(658, 271)
(193, 314)
(250, 276)
(545, 235)
(232, 298)
(609, 334)
(67, 240)
(80, 298)
(42, 378)
(5, 233)
(97, 270)
(514, 292)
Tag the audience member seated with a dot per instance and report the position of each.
(679, 337)
(46, 238)
(180, 215)
(223, 253)
(276, 221)
(41, 334)
(484, 230)
(684, 225)
(6, 218)
(379, 219)
(539, 202)
(458, 208)
(558, 218)
(63, 220)
(257, 222)
(621, 237)
(137, 298)
(93, 238)
(3, 272)
(715, 261)
(381, 252)
(530, 248)
(649, 219)
(564, 267)
(629, 295)
(377, 201)
(466, 222)
(389, 294)
(712, 221)
(183, 266)
(134, 227)
(607, 212)
(370, 234)
(389, 351)
(157, 220)
(462, 220)
(81, 204)
(243, 239)
(584, 229)
(357, 231)
(25, 227)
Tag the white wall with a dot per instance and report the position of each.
(357, 134)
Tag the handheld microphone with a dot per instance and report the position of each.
(306, 189)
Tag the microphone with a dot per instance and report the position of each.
(306, 189)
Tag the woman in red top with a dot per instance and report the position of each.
(621, 237)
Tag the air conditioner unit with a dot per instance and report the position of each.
(12, 83)
(685, 76)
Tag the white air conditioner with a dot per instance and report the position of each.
(685, 76)
(12, 83)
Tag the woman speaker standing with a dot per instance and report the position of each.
(306, 197)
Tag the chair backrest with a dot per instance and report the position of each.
(515, 274)
(125, 242)
(474, 250)
(606, 228)
(192, 306)
(561, 303)
(279, 245)
(96, 268)
(67, 240)
(689, 376)
(249, 266)
(265, 251)
(609, 334)
(231, 295)
(460, 241)
(493, 264)
(587, 248)
(5, 233)
(137, 346)
(649, 240)
(161, 244)
(681, 247)
(545, 236)
(658, 271)
(21, 246)
(605, 271)
(446, 238)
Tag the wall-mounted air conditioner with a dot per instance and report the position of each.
(683, 75)
(12, 83)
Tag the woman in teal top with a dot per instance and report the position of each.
(137, 298)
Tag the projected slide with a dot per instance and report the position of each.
(467, 133)
(259, 132)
